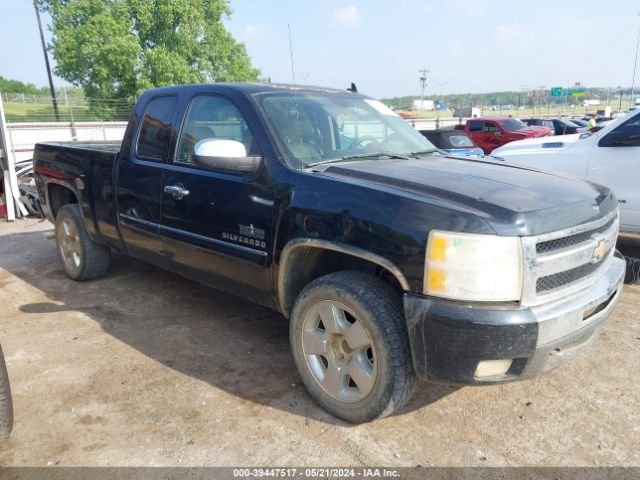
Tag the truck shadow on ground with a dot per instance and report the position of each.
(233, 345)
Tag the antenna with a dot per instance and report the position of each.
(293, 72)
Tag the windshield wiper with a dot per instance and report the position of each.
(424, 152)
(360, 155)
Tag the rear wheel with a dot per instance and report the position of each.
(81, 257)
(349, 343)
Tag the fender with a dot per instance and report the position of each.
(75, 186)
(336, 247)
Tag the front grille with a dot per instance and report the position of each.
(560, 279)
(571, 240)
(559, 263)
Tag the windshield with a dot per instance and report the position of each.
(314, 127)
(512, 125)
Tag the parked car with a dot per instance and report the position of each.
(601, 121)
(455, 142)
(492, 132)
(539, 122)
(608, 157)
(579, 121)
(560, 126)
(391, 260)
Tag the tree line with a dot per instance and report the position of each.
(515, 99)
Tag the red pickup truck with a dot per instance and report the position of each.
(492, 132)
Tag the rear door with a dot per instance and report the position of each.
(615, 162)
(139, 179)
(219, 230)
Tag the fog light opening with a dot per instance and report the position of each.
(491, 368)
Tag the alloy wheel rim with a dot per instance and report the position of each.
(70, 245)
(339, 351)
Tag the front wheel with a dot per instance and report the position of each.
(349, 342)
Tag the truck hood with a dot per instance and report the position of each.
(514, 200)
(540, 145)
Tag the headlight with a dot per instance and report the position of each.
(473, 267)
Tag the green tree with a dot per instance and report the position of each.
(16, 86)
(118, 48)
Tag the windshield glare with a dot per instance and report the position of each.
(460, 141)
(313, 127)
(512, 125)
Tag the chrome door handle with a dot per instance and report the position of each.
(176, 191)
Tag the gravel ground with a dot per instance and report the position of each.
(144, 367)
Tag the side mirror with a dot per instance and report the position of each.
(497, 133)
(223, 155)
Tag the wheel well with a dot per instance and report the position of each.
(59, 196)
(306, 263)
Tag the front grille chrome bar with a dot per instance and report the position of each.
(568, 261)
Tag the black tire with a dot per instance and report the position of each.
(90, 259)
(6, 405)
(369, 300)
(632, 274)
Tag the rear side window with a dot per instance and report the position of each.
(154, 139)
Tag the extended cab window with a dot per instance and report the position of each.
(211, 116)
(154, 139)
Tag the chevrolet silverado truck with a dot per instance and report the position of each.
(391, 260)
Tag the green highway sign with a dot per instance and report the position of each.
(566, 92)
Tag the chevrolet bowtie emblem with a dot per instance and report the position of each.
(600, 250)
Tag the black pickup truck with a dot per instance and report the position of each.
(391, 260)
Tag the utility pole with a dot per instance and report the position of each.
(635, 62)
(46, 61)
(423, 82)
(620, 106)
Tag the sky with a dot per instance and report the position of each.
(468, 46)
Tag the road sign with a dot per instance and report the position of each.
(556, 91)
(578, 92)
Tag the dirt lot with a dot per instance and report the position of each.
(146, 368)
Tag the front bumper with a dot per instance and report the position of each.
(449, 339)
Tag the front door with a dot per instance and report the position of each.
(493, 136)
(217, 226)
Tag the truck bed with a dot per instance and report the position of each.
(89, 166)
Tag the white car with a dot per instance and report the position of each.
(610, 156)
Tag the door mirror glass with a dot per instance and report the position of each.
(225, 155)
